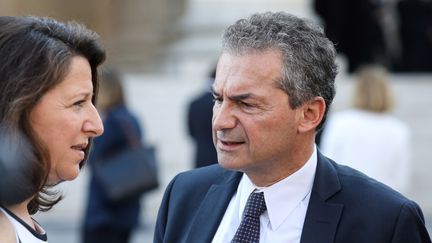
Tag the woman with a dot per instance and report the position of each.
(368, 137)
(109, 221)
(48, 82)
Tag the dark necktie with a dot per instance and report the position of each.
(249, 229)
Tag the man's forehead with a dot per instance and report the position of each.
(242, 91)
(233, 86)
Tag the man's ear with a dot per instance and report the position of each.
(312, 114)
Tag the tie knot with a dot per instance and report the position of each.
(255, 205)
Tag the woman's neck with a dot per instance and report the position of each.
(21, 211)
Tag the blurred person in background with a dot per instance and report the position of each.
(48, 84)
(200, 111)
(354, 27)
(367, 136)
(416, 35)
(109, 221)
(274, 85)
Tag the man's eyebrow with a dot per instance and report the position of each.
(214, 92)
(238, 97)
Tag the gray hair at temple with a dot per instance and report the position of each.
(309, 67)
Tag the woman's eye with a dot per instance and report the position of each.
(79, 103)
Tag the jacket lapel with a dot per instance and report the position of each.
(213, 208)
(322, 217)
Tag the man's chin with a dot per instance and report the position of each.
(230, 165)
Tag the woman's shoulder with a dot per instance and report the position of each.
(7, 231)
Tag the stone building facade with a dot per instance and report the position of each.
(134, 32)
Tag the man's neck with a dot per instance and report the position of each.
(272, 174)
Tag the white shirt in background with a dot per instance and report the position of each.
(373, 143)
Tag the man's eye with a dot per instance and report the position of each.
(217, 100)
(246, 105)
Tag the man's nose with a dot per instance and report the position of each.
(223, 116)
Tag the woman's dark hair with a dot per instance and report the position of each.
(35, 56)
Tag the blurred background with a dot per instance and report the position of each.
(166, 48)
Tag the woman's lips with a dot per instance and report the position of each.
(80, 149)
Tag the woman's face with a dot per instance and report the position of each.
(65, 119)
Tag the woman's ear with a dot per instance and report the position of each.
(312, 114)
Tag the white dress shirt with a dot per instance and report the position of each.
(286, 201)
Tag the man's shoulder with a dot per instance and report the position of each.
(358, 187)
(205, 176)
(347, 197)
(197, 183)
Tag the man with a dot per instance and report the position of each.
(273, 87)
(199, 116)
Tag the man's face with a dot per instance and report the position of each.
(254, 127)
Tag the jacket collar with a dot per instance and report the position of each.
(213, 208)
(322, 216)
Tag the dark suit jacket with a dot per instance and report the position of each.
(345, 206)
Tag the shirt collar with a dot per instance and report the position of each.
(284, 196)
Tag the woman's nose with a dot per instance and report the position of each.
(93, 124)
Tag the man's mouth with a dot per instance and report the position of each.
(228, 143)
